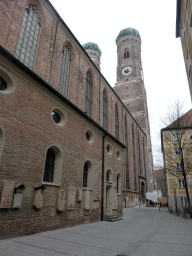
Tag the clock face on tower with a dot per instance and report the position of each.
(126, 71)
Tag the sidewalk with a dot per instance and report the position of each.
(143, 231)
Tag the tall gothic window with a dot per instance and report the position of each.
(65, 69)
(144, 157)
(105, 110)
(134, 165)
(29, 35)
(49, 166)
(126, 54)
(126, 155)
(85, 175)
(139, 153)
(116, 122)
(88, 94)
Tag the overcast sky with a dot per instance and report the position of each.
(163, 65)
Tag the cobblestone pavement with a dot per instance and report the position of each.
(143, 231)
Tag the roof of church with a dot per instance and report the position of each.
(92, 46)
(128, 31)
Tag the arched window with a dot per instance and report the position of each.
(85, 175)
(65, 70)
(116, 122)
(88, 94)
(118, 184)
(53, 166)
(126, 54)
(126, 155)
(107, 176)
(105, 110)
(29, 35)
(49, 166)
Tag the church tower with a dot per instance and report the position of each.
(130, 86)
(94, 53)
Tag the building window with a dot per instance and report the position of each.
(181, 183)
(187, 55)
(184, 201)
(55, 117)
(176, 137)
(191, 21)
(116, 122)
(88, 94)
(107, 176)
(105, 110)
(49, 166)
(3, 84)
(190, 136)
(190, 70)
(179, 169)
(85, 175)
(177, 151)
(29, 35)
(65, 69)
(126, 54)
(118, 184)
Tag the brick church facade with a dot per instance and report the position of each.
(70, 150)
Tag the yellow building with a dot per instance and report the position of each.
(176, 141)
(184, 31)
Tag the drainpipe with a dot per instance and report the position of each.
(54, 51)
(102, 179)
(99, 97)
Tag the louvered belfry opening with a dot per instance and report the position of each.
(49, 166)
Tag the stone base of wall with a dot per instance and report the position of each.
(23, 227)
(130, 204)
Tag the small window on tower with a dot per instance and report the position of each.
(126, 54)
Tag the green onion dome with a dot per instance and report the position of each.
(92, 46)
(128, 31)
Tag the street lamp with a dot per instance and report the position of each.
(174, 186)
